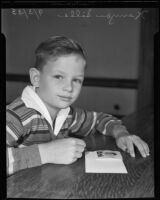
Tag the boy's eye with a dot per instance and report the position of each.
(78, 81)
(58, 77)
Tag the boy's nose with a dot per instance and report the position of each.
(68, 86)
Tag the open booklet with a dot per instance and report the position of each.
(104, 161)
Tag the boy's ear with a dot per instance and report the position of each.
(34, 76)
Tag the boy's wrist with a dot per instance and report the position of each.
(119, 131)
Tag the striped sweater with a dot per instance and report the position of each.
(27, 126)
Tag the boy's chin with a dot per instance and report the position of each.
(64, 105)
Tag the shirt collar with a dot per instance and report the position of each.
(32, 100)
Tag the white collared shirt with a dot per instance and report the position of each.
(32, 100)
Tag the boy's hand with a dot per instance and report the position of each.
(126, 143)
(61, 151)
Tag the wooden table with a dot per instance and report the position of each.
(71, 181)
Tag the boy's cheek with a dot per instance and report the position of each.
(75, 97)
(78, 93)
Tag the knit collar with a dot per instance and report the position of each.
(32, 100)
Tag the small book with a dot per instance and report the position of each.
(104, 161)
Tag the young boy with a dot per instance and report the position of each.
(40, 123)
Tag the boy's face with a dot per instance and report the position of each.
(60, 81)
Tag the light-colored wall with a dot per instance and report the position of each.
(112, 49)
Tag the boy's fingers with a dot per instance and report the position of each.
(80, 148)
(79, 141)
(145, 147)
(142, 147)
(122, 143)
(123, 147)
(78, 155)
(130, 147)
(73, 160)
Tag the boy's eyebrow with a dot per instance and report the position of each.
(59, 71)
(81, 75)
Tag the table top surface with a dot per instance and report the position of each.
(71, 181)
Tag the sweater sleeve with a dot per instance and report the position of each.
(18, 156)
(85, 122)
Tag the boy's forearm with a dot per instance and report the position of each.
(21, 158)
(110, 125)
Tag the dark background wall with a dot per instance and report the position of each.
(111, 37)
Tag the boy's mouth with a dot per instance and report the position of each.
(65, 98)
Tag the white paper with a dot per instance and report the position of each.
(104, 161)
